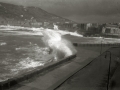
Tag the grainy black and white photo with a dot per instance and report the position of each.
(59, 44)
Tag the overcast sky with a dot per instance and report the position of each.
(78, 10)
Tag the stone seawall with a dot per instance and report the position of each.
(13, 81)
(103, 45)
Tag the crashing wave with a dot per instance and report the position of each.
(60, 47)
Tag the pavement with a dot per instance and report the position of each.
(115, 80)
(95, 75)
(52, 79)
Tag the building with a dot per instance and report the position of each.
(111, 30)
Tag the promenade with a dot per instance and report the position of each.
(95, 75)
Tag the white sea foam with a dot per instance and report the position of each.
(37, 56)
(2, 43)
(29, 63)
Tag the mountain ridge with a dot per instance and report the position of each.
(10, 13)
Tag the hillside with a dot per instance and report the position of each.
(20, 15)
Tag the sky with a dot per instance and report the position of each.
(81, 11)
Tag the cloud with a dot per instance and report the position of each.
(95, 19)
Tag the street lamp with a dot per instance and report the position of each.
(117, 60)
(102, 39)
(108, 68)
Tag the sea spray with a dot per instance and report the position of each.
(59, 46)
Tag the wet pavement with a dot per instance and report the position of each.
(95, 75)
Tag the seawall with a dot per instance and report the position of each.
(15, 80)
(99, 44)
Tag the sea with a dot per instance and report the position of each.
(23, 49)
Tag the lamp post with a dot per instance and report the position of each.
(108, 68)
(102, 38)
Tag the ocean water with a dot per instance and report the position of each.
(20, 53)
(24, 49)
